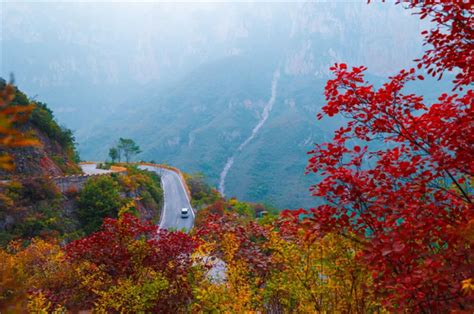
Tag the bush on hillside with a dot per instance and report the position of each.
(99, 199)
(202, 194)
(43, 118)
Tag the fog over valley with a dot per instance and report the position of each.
(230, 90)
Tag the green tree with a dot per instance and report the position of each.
(114, 154)
(100, 198)
(129, 148)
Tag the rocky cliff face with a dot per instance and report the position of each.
(47, 159)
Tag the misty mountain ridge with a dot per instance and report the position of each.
(191, 88)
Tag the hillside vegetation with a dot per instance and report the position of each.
(35, 207)
(391, 229)
(55, 153)
(31, 205)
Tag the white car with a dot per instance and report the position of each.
(184, 212)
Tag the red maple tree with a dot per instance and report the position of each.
(399, 173)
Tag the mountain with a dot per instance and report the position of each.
(191, 83)
(198, 124)
(80, 57)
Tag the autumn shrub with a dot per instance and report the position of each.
(39, 189)
(127, 266)
(38, 267)
(145, 188)
(283, 266)
(11, 192)
(145, 183)
(244, 210)
(129, 259)
(15, 110)
(31, 190)
(9, 289)
(132, 266)
(317, 272)
(240, 292)
(202, 194)
(30, 208)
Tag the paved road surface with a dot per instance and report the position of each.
(92, 169)
(175, 198)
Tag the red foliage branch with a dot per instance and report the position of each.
(451, 39)
(399, 172)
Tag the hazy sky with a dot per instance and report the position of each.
(55, 49)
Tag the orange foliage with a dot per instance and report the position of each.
(11, 116)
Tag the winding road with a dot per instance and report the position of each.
(175, 197)
(91, 169)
